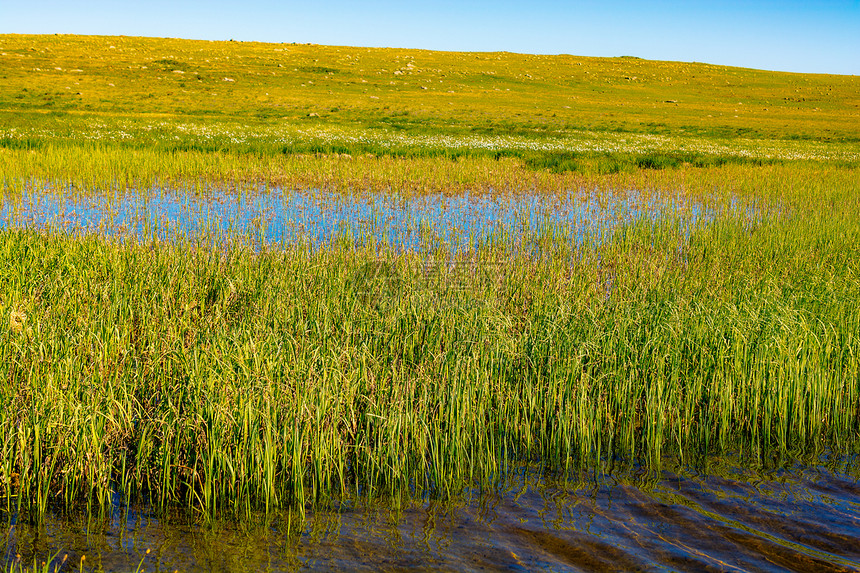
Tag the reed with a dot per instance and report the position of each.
(230, 380)
(227, 374)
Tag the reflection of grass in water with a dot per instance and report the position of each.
(226, 380)
(616, 511)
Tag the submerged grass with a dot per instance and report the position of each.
(233, 380)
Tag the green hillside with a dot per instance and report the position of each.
(414, 90)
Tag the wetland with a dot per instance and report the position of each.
(322, 330)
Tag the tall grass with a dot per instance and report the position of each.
(95, 169)
(229, 380)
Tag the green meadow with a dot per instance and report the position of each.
(234, 379)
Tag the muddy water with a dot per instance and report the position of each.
(728, 519)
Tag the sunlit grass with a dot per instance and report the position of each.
(231, 377)
(412, 91)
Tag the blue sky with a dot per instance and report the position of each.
(797, 36)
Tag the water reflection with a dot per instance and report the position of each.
(274, 216)
(804, 519)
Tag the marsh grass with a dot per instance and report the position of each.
(234, 380)
(53, 564)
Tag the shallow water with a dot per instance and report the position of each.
(273, 216)
(728, 519)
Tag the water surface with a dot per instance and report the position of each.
(273, 216)
(725, 519)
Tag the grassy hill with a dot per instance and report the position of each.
(413, 91)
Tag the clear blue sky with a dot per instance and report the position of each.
(790, 35)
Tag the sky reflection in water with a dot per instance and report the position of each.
(276, 216)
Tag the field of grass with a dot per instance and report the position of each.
(412, 90)
(236, 379)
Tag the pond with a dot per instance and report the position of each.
(802, 518)
(275, 216)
